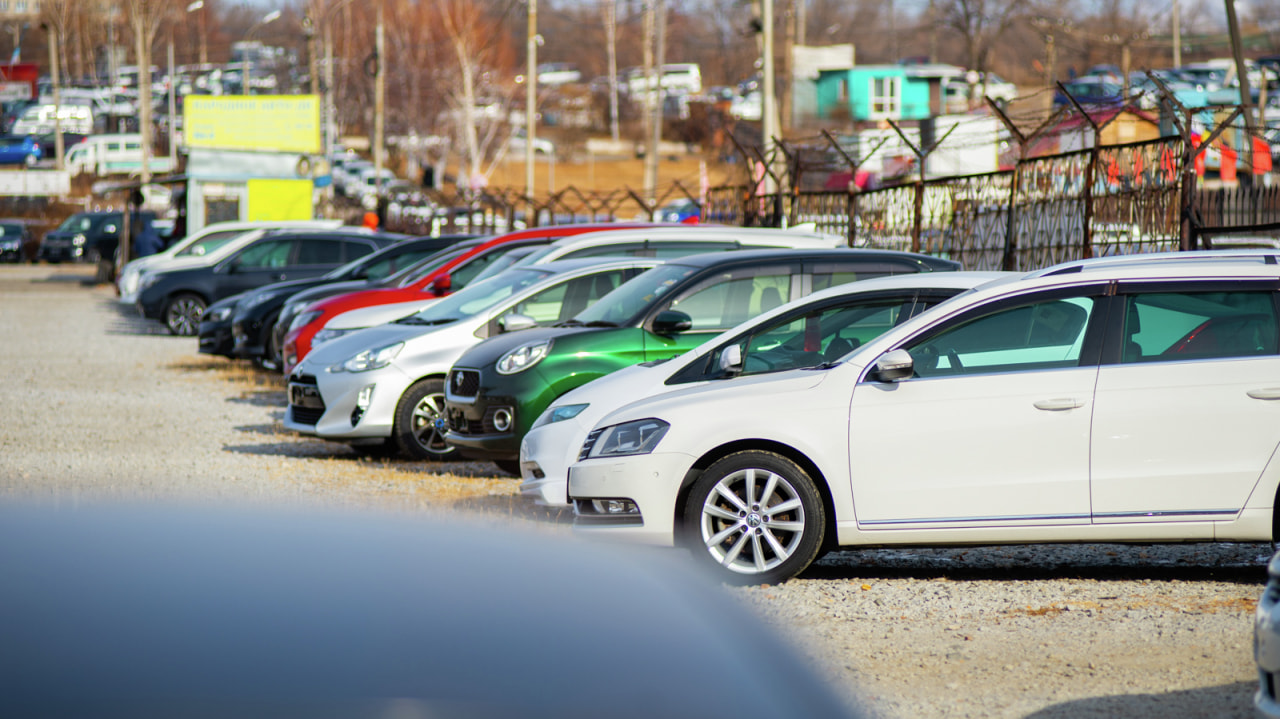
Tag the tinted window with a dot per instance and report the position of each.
(1170, 327)
(1043, 335)
(273, 253)
(319, 252)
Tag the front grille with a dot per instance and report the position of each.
(302, 415)
(589, 444)
(464, 382)
(305, 402)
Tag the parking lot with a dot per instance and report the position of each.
(101, 405)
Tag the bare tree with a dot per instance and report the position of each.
(980, 24)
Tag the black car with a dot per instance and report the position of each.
(254, 317)
(215, 326)
(86, 237)
(179, 297)
(15, 237)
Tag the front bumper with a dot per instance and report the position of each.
(245, 338)
(650, 481)
(54, 251)
(215, 339)
(545, 455)
(326, 404)
(475, 405)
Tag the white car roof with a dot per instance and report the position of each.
(746, 235)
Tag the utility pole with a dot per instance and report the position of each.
(651, 82)
(58, 147)
(1246, 96)
(611, 39)
(769, 105)
(659, 98)
(530, 100)
(379, 100)
(1177, 35)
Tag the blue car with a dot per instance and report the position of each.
(19, 150)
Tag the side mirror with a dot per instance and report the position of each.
(895, 365)
(516, 321)
(441, 286)
(670, 322)
(731, 358)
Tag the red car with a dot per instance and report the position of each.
(438, 281)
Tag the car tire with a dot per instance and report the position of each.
(731, 527)
(182, 314)
(415, 428)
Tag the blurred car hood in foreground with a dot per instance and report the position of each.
(115, 611)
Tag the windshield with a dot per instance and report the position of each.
(209, 243)
(514, 258)
(417, 271)
(77, 223)
(478, 297)
(630, 300)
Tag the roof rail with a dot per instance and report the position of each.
(1264, 256)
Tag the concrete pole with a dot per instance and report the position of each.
(530, 101)
(650, 177)
(56, 72)
(770, 104)
(652, 157)
(173, 109)
(379, 101)
(143, 53)
(1242, 72)
(1177, 35)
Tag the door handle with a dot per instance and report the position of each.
(279, 276)
(1265, 393)
(1060, 404)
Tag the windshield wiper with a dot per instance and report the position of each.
(568, 323)
(601, 323)
(416, 320)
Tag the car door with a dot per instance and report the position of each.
(1187, 412)
(717, 303)
(261, 263)
(992, 428)
(318, 255)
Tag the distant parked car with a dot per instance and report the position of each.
(178, 297)
(15, 238)
(20, 150)
(86, 237)
(1091, 91)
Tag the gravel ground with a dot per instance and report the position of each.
(102, 405)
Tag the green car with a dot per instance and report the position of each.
(498, 388)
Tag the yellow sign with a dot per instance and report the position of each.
(277, 123)
(274, 200)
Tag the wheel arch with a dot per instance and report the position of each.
(763, 445)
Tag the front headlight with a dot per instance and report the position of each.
(221, 314)
(523, 357)
(12, 244)
(628, 438)
(304, 319)
(148, 280)
(369, 359)
(78, 240)
(325, 335)
(560, 414)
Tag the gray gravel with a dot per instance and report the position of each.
(99, 404)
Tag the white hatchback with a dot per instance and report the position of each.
(1132, 400)
(385, 384)
(816, 329)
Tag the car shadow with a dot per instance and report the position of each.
(1221, 702)
(1239, 563)
(125, 320)
(515, 506)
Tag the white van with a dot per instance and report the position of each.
(113, 154)
(39, 119)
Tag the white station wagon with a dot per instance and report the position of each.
(1118, 400)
